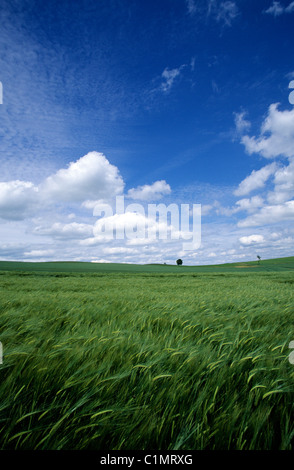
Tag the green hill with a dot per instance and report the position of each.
(278, 264)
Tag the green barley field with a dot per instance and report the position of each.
(157, 357)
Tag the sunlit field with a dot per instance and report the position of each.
(147, 359)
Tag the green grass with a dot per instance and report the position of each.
(162, 360)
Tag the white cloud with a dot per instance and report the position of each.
(276, 9)
(223, 12)
(119, 250)
(227, 12)
(38, 253)
(91, 204)
(284, 185)
(169, 77)
(241, 123)
(147, 192)
(141, 241)
(276, 137)
(256, 180)
(66, 231)
(250, 205)
(290, 8)
(270, 214)
(231, 252)
(138, 228)
(17, 199)
(130, 224)
(12, 250)
(101, 261)
(91, 177)
(206, 209)
(252, 240)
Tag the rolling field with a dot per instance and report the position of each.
(278, 264)
(147, 357)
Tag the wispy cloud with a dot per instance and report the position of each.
(241, 123)
(223, 12)
(191, 5)
(168, 78)
(276, 9)
(227, 12)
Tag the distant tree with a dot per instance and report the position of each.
(179, 262)
(259, 258)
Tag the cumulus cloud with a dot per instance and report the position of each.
(17, 199)
(131, 224)
(270, 214)
(276, 137)
(250, 204)
(151, 192)
(135, 224)
(276, 9)
(278, 204)
(66, 231)
(252, 240)
(91, 177)
(256, 180)
(284, 185)
(276, 140)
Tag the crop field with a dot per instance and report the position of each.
(116, 357)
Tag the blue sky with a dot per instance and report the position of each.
(169, 101)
